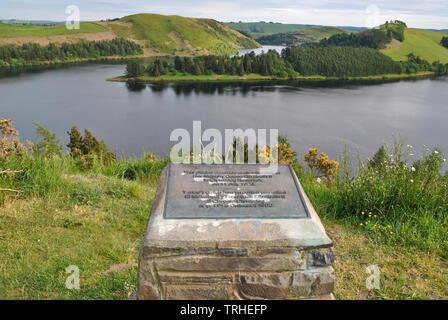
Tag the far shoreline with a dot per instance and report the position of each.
(257, 77)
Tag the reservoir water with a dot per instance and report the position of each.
(135, 119)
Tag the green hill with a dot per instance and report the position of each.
(299, 38)
(175, 34)
(158, 34)
(422, 43)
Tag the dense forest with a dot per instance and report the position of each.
(31, 53)
(266, 64)
(372, 38)
(323, 61)
(339, 61)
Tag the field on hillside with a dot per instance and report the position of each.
(422, 43)
(174, 34)
(311, 35)
(19, 30)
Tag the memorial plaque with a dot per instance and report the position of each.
(220, 191)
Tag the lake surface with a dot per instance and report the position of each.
(264, 49)
(133, 119)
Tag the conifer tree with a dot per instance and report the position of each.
(76, 142)
(90, 144)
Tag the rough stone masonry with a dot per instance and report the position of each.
(227, 232)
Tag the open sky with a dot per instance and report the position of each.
(416, 13)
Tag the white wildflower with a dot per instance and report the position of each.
(413, 169)
(318, 180)
(436, 152)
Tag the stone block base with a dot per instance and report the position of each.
(284, 274)
(234, 258)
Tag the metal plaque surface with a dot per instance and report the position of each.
(232, 191)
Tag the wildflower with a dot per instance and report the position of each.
(318, 180)
(374, 216)
(361, 224)
(412, 180)
(391, 232)
(413, 169)
(389, 226)
(409, 146)
(436, 152)
(362, 212)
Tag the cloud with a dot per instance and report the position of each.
(420, 14)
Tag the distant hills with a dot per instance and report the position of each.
(176, 35)
(303, 37)
(258, 29)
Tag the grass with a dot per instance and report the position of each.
(405, 272)
(171, 34)
(66, 216)
(18, 30)
(94, 217)
(422, 43)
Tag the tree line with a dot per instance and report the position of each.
(324, 61)
(444, 42)
(12, 54)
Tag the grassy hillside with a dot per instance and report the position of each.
(91, 213)
(159, 34)
(298, 38)
(422, 43)
(174, 34)
(28, 30)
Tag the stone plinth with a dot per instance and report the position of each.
(231, 258)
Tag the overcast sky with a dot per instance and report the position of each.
(419, 14)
